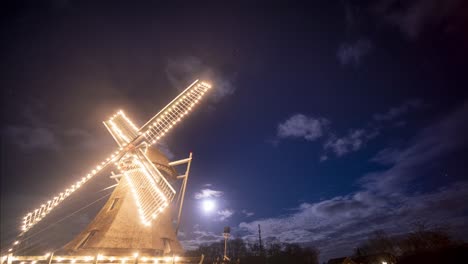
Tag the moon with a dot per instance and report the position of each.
(208, 205)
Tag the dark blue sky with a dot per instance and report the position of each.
(328, 121)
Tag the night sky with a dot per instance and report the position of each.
(327, 121)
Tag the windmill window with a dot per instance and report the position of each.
(114, 203)
(87, 238)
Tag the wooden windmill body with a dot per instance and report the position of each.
(117, 229)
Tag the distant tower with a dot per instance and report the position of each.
(260, 240)
(226, 234)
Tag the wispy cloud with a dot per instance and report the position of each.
(224, 214)
(352, 53)
(398, 111)
(412, 17)
(302, 126)
(32, 138)
(432, 143)
(247, 213)
(183, 70)
(353, 141)
(199, 237)
(208, 193)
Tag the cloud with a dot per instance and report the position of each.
(398, 111)
(224, 214)
(336, 225)
(208, 193)
(311, 129)
(30, 138)
(301, 126)
(184, 70)
(354, 141)
(412, 17)
(435, 141)
(386, 200)
(353, 53)
(199, 237)
(35, 133)
(247, 213)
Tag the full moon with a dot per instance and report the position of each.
(208, 205)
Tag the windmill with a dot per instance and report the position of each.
(136, 216)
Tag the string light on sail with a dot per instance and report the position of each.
(33, 217)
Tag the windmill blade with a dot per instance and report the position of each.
(121, 128)
(36, 215)
(170, 115)
(151, 191)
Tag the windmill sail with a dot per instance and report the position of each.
(121, 128)
(170, 115)
(151, 191)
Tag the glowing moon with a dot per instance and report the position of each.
(208, 205)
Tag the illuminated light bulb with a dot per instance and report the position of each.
(156, 261)
(34, 262)
(9, 250)
(144, 259)
(100, 257)
(93, 171)
(154, 141)
(135, 255)
(73, 261)
(16, 242)
(176, 258)
(59, 259)
(111, 259)
(167, 259)
(98, 167)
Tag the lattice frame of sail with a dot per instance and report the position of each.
(150, 189)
